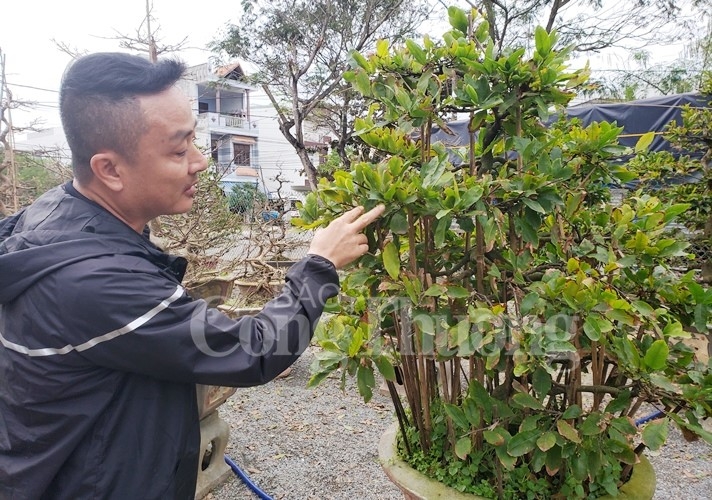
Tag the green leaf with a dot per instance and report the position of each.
(675, 330)
(435, 291)
(529, 232)
(541, 382)
(656, 356)
(362, 83)
(457, 415)
(546, 441)
(592, 425)
(591, 328)
(366, 382)
(620, 403)
(472, 411)
(534, 205)
(391, 260)
(417, 52)
(568, 431)
(542, 41)
(360, 60)
(506, 459)
(579, 466)
(528, 302)
(441, 230)
(655, 434)
(458, 19)
(573, 411)
(643, 307)
(382, 48)
(644, 142)
(527, 401)
(356, 342)
(385, 367)
(573, 202)
(399, 223)
(494, 438)
(463, 447)
(457, 292)
(664, 383)
(522, 443)
(624, 425)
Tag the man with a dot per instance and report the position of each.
(100, 346)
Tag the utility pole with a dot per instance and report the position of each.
(152, 50)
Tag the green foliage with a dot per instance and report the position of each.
(505, 263)
(301, 49)
(244, 198)
(35, 175)
(660, 174)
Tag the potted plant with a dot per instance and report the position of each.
(206, 237)
(272, 246)
(527, 318)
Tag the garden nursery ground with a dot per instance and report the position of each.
(299, 443)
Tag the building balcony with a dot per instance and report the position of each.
(226, 124)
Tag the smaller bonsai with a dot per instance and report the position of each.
(206, 236)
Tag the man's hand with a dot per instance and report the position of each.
(342, 241)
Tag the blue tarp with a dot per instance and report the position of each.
(642, 116)
(636, 117)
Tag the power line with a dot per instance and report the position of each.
(32, 87)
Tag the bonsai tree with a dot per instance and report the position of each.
(527, 319)
(205, 236)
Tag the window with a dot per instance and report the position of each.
(242, 154)
(214, 151)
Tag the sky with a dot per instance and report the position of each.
(34, 65)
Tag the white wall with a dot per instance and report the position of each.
(275, 153)
(51, 143)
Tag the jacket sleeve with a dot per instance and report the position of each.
(132, 319)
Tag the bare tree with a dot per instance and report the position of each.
(145, 39)
(8, 173)
(593, 25)
(302, 49)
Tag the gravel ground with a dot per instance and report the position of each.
(321, 444)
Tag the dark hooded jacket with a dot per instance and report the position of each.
(101, 348)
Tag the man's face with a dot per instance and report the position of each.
(162, 179)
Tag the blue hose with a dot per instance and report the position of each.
(650, 417)
(245, 479)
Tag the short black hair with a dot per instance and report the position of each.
(98, 103)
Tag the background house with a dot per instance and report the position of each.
(220, 98)
(237, 125)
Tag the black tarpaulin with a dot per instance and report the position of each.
(636, 117)
(641, 116)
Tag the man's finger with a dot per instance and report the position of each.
(352, 214)
(369, 216)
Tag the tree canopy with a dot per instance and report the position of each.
(301, 48)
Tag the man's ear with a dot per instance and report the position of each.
(106, 171)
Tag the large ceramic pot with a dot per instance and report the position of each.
(214, 431)
(416, 486)
(257, 290)
(214, 291)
